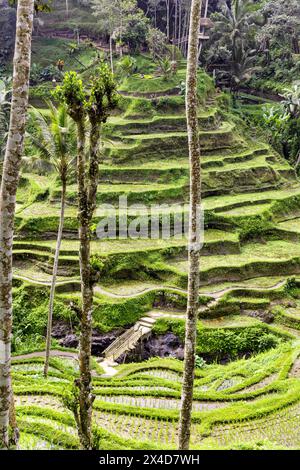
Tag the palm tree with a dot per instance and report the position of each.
(242, 69)
(93, 104)
(9, 185)
(194, 228)
(55, 142)
(230, 42)
(235, 19)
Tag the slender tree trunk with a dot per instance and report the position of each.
(111, 53)
(168, 17)
(15, 433)
(175, 28)
(194, 229)
(87, 189)
(67, 8)
(9, 184)
(295, 44)
(182, 38)
(54, 274)
(85, 396)
(202, 29)
(179, 24)
(84, 419)
(121, 31)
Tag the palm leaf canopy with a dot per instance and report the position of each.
(53, 136)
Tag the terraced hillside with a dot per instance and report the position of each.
(249, 289)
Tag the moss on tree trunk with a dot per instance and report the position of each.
(194, 229)
(10, 179)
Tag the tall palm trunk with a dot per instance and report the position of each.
(87, 202)
(54, 274)
(168, 18)
(87, 189)
(202, 29)
(111, 53)
(179, 25)
(175, 29)
(194, 229)
(9, 184)
(85, 397)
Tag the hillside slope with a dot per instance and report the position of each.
(248, 300)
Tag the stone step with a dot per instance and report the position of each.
(147, 321)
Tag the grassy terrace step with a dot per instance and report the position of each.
(29, 271)
(142, 108)
(67, 260)
(254, 260)
(138, 85)
(221, 161)
(218, 169)
(218, 159)
(154, 192)
(207, 120)
(165, 145)
(141, 254)
(214, 182)
(231, 321)
(41, 218)
(279, 428)
(128, 288)
(219, 203)
(267, 282)
(70, 248)
(291, 225)
(226, 127)
(242, 401)
(248, 303)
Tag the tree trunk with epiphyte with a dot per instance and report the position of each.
(85, 402)
(54, 273)
(95, 103)
(9, 185)
(194, 228)
(87, 205)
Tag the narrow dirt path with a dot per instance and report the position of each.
(109, 368)
(53, 353)
(221, 292)
(45, 283)
(103, 291)
(100, 290)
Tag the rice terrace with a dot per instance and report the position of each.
(149, 225)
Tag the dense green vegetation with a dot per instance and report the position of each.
(246, 392)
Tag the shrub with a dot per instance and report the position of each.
(253, 227)
(219, 343)
(291, 285)
(200, 363)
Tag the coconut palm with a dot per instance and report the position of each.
(235, 17)
(55, 142)
(230, 45)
